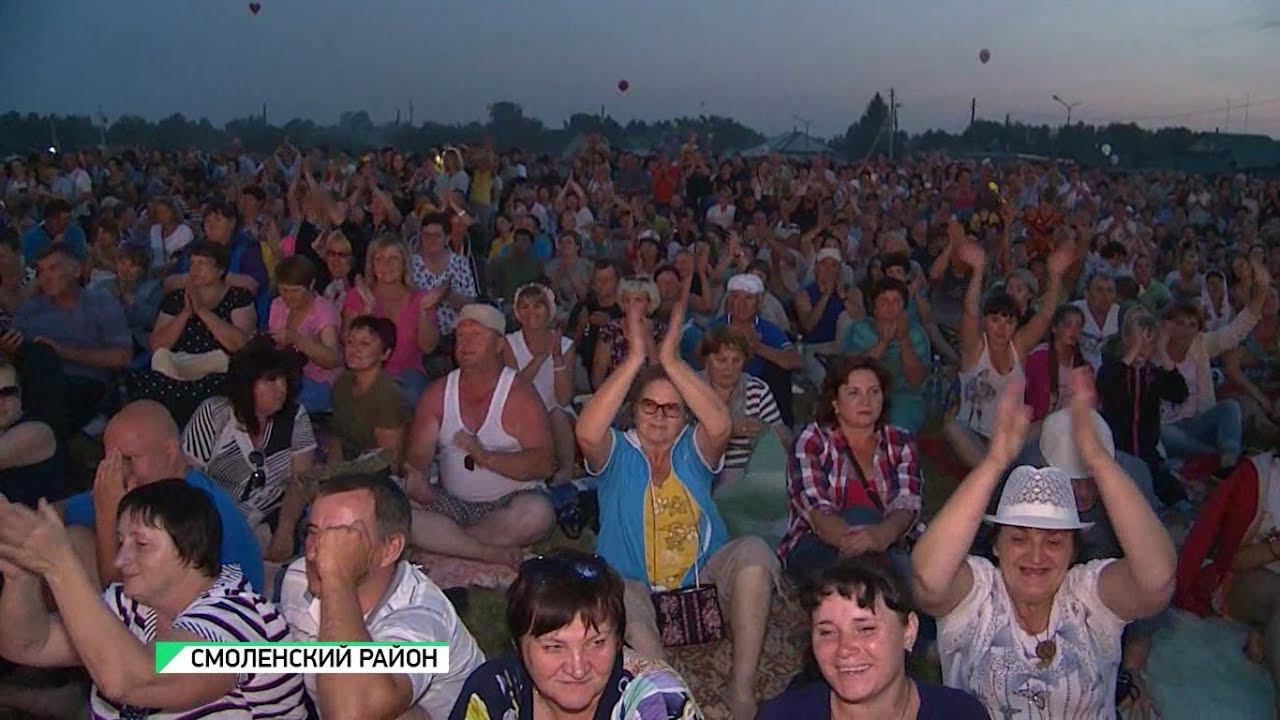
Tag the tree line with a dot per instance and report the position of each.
(509, 127)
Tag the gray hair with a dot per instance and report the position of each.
(640, 285)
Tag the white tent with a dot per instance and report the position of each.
(794, 143)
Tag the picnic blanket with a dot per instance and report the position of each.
(756, 503)
(1197, 670)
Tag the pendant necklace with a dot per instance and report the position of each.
(1045, 650)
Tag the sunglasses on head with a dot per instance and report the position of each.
(258, 479)
(542, 568)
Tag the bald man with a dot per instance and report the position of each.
(142, 447)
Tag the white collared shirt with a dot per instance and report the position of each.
(413, 610)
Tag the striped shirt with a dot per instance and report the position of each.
(821, 477)
(751, 399)
(228, 611)
(219, 446)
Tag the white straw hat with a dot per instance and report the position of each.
(1058, 445)
(1039, 498)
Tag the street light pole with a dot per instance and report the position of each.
(1069, 107)
(1066, 105)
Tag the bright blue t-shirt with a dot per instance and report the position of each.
(239, 546)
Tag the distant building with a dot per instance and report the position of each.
(1231, 152)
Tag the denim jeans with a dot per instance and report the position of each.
(314, 396)
(1216, 431)
(810, 553)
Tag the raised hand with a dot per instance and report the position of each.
(637, 328)
(1013, 418)
(669, 351)
(1084, 398)
(1261, 275)
(44, 546)
(1061, 258)
(971, 253)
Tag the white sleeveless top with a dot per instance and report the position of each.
(545, 381)
(980, 390)
(164, 248)
(481, 484)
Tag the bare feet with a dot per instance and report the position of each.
(741, 702)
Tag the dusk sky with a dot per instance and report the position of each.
(1157, 62)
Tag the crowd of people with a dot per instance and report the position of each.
(447, 338)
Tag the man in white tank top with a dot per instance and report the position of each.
(494, 441)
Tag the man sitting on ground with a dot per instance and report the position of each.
(773, 358)
(86, 330)
(494, 438)
(353, 585)
(142, 447)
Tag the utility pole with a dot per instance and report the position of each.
(1246, 112)
(893, 122)
(1227, 124)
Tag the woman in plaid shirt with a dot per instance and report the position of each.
(854, 480)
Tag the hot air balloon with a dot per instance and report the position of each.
(255, 7)
(623, 85)
(984, 55)
(1106, 150)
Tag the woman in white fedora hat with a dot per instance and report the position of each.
(1034, 636)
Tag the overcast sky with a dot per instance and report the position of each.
(764, 62)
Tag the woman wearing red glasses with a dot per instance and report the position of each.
(659, 527)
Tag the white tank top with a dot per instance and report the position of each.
(980, 390)
(480, 484)
(545, 381)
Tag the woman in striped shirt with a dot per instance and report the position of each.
(256, 441)
(751, 405)
(172, 590)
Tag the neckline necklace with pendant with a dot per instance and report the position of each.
(1045, 650)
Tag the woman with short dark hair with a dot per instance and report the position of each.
(752, 408)
(308, 324)
(174, 588)
(369, 412)
(256, 440)
(566, 616)
(200, 325)
(862, 626)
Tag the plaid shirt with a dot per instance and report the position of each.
(821, 477)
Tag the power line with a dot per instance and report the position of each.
(1193, 113)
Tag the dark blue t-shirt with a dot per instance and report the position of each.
(239, 545)
(771, 336)
(813, 702)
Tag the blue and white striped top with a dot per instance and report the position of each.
(228, 611)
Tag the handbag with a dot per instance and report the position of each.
(688, 616)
